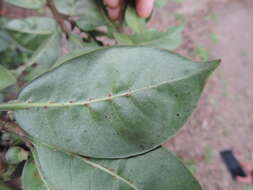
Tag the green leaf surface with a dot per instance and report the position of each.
(26, 41)
(6, 78)
(32, 25)
(123, 39)
(170, 40)
(4, 186)
(44, 57)
(5, 41)
(156, 170)
(113, 102)
(136, 23)
(75, 42)
(30, 33)
(28, 4)
(75, 53)
(87, 12)
(31, 179)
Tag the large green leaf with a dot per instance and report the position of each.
(75, 42)
(113, 102)
(31, 179)
(28, 4)
(6, 78)
(75, 53)
(156, 170)
(88, 12)
(170, 40)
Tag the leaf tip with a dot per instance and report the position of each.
(214, 64)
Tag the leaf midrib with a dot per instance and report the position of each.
(27, 105)
(93, 164)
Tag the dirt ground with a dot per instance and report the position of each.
(224, 117)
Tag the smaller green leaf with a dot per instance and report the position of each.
(6, 78)
(90, 21)
(28, 4)
(31, 179)
(44, 57)
(27, 42)
(32, 25)
(170, 40)
(75, 53)
(123, 39)
(136, 23)
(88, 12)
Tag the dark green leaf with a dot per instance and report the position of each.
(136, 23)
(29, 33)
(113, 102)
(4, 186)
(156, 170)
(87, 11)
(123, 39)
(28, 4)
(170, 40)
(27, 42)
(75, 42)
(31, 179)
(6, 78)
(44, 57)
(32, 25)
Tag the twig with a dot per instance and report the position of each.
(14, 128)
(60, 18)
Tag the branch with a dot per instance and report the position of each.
(60, 18)
(14, 128)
